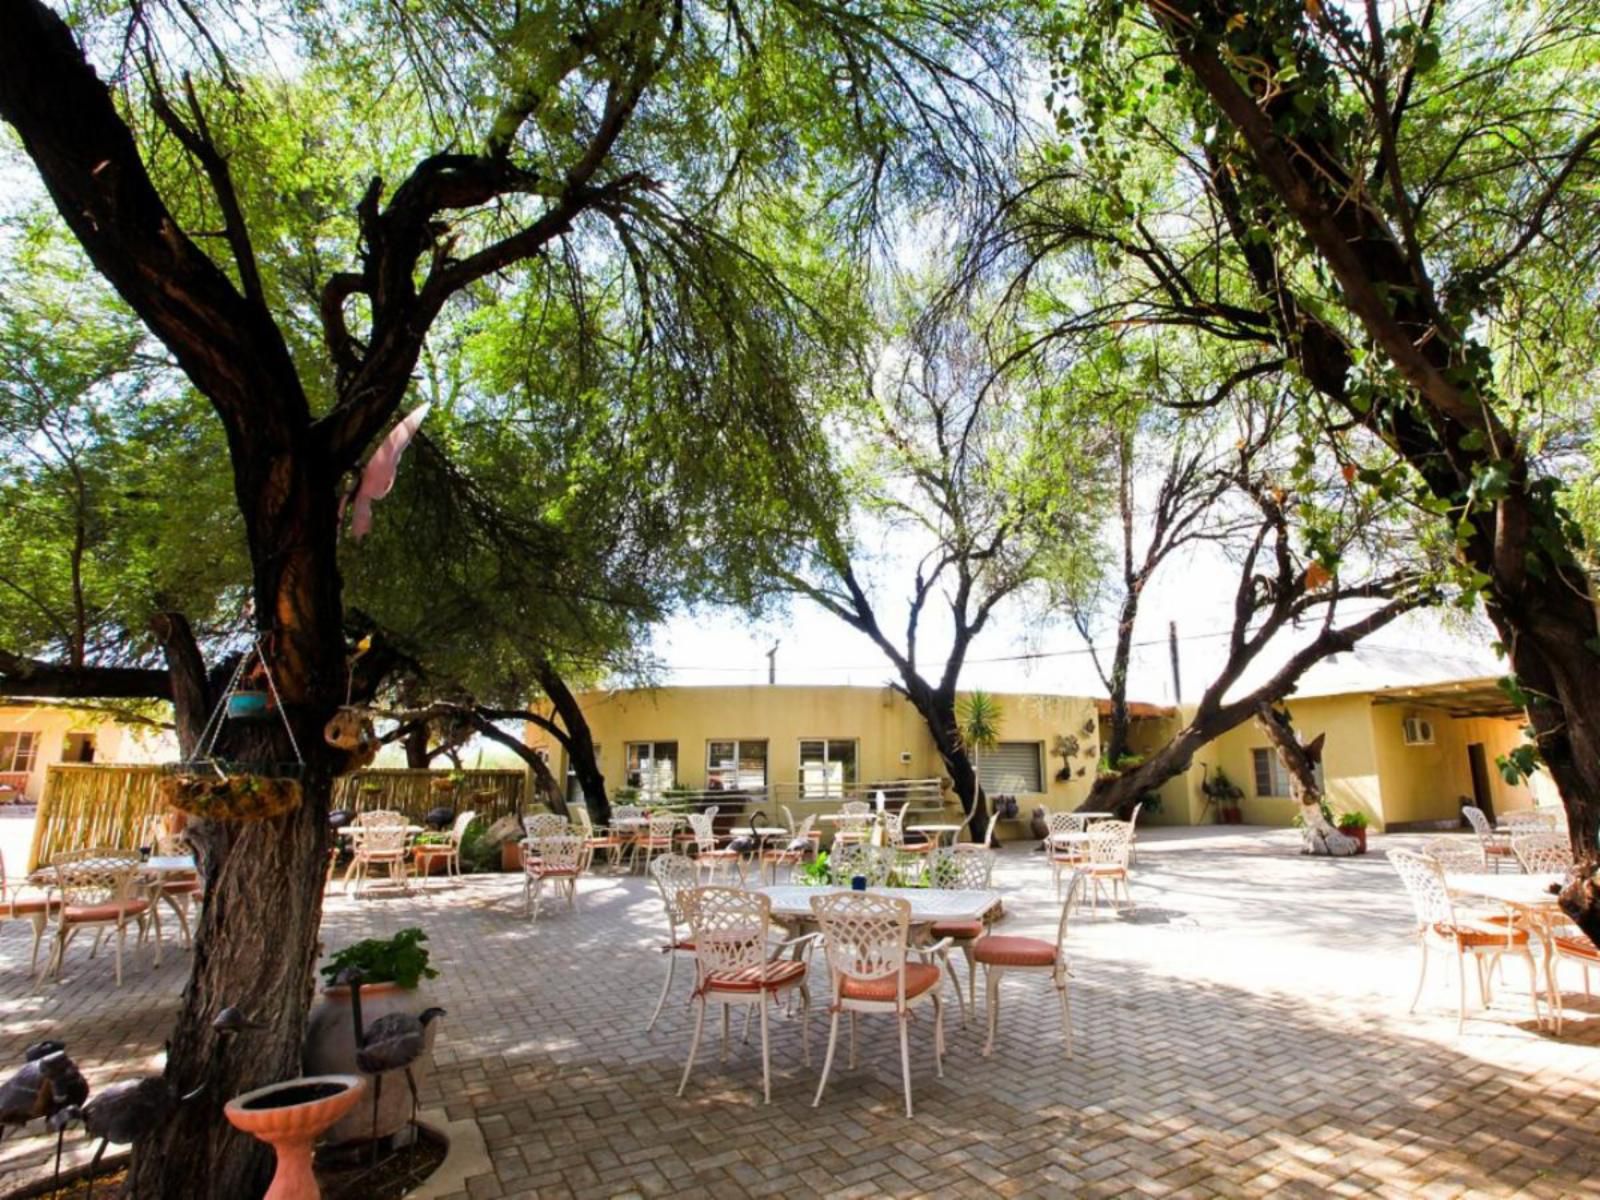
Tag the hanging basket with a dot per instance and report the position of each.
(245, 704)
(237, 797)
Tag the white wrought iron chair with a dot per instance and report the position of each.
(1064, 856)
(792, 853)
(735, 964)
(870, 862)
(384, 846)
(1000, 954)
(656, 838)
(965, 866)
(677, 877)
(556, 861)
(1107, 868)
(1543, 853)
(1532, 820)
(1459, 855)
(427, 852)
(709, 856)
(1495, 847)
(866, 938)
(596, 838)
(99, 889)
(1439, 921)
(23, 902)
(854, 826)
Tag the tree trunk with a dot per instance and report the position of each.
(415, 744)
(578, 742)
(257, 937)
(937, 708)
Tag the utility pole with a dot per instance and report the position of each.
(772, 663)
(1172, 649)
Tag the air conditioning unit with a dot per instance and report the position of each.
(1418, 731)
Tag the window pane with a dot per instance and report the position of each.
(844, 753)
(813, 752)
(8, 751)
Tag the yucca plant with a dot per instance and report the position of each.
(978, 716)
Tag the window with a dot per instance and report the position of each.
(736, 766)
(17, 751)
(78, 748)
(1012, 767)
(652, 767)
(826, 767)
(1272, 777)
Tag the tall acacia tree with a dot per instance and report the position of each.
(985, 488)
(511, 146)
(1353, 208)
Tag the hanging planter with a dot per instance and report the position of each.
(231, 797)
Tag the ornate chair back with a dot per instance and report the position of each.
(1456, 854)
(1543, 853)
(966, 866)
(543, 825)
(1424, 883)
(730, 930)
(846, 862)
(559, 853)
(675, 876)
(704, 830)
(864, 936)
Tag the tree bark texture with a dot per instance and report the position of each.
(1537, 595)
(578, 741)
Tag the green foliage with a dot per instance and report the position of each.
(815, 873)
(401, 959)
(1352, 820)
(981, 717)
(1519, 764)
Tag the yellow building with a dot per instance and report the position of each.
(1410, 738)
(33, 736)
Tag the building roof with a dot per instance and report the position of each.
(1464, 684)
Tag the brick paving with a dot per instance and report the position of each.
(1244, 1035)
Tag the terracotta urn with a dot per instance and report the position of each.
(330, 1049)
(290, 1117)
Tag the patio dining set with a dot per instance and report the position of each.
(1467, 904)
(108, 889)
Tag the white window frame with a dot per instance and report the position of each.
(1278, 772)
(829, 787)
(649, 781)
(738, 745)
(24, 749)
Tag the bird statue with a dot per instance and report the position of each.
(391, 1043)
(47, 1083)
(127, 1113)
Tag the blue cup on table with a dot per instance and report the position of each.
(858, 883)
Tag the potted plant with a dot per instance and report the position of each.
(1225, 794)
(429, 864)
(1354, 825)
(394, 971)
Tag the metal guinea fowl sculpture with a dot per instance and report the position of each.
(47, 1083)
(127, 1113)
(391, 1043)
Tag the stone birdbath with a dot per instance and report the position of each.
(290, 1117)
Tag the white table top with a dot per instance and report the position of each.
(927, 904)
(170, 862)
(933, 828)
(1520, 891)
(354, 830)
(843, 816)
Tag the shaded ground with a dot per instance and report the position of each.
(1246, 1035)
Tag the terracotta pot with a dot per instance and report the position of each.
(511, 856)
(428, 864)
(1360, 835)
(330, 1049)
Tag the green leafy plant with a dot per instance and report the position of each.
(432, 839)
(815, 872)
(1352, 820)
(401, 959)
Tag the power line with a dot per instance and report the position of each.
(1026, 656)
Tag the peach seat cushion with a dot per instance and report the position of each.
(104, 912)
(768, 976)
(1001, 951)
(920, 977)
(957, 929)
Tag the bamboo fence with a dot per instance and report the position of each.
(92, 805)
(490, 794)
(109, 805)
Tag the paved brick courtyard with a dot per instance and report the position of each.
(1245, 1035)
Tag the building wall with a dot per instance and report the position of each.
(1350, 766)
(883, 723)
(113, 742)
(1431, 783)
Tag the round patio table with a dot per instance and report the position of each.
(935, 832)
